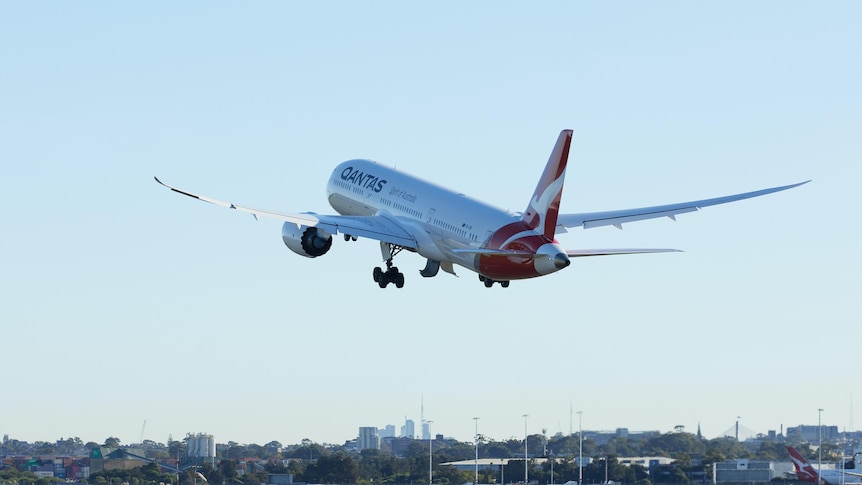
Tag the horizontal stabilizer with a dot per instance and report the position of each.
(496, 252)
(580, 253)
(573, 253)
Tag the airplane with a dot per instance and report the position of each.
(448, 228)
(806, 473)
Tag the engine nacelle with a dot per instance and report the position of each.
(305, 241)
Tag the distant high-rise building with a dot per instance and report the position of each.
(426, 430)
(387, 432)
(368, 438)
(408, 430)
(812, 434)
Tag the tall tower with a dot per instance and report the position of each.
(426, 429)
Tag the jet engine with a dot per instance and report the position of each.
(305, 241)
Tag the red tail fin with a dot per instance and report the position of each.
(804, 471)
(541, 213)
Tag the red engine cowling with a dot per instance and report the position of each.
(305, 241)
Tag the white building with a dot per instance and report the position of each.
(368, 438)
(408, 430)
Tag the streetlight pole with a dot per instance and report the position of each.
(476, 439)
(525, 450)
(580, 448)
(430, 458)
(819, 445)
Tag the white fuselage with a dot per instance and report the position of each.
(447, 220)
(838, 477)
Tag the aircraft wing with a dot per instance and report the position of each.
(379, 227)
(617, 218)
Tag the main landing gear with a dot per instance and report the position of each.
(489, 282)
(391, 275)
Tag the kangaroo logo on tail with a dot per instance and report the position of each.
(804, 471)
(541, 213)
(527, 246)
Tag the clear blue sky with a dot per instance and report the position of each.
(123, 302)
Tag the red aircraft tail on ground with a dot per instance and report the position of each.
(804, 471)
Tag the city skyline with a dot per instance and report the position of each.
(123, 302)
(745, 434)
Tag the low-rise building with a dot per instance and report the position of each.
(751, 471)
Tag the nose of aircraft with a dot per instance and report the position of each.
(561, 260)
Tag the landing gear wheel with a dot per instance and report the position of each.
(488, 282)
(391, 274)
(504, 284)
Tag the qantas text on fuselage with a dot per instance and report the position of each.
(449, 229)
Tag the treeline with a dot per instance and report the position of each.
(314, 463)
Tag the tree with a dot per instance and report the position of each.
(13, 475)
(451, 475)
(726, 448)
(455, 451)
(43, 448)
(112, 442)
(568, 445)
(494, 449)
(682, 460)
(672, 443)
(308, 451)
(619, 446)
(48, 481)
(176, 448)
(772, 450)
(668, 474)
(69, 447)
(151, 473)
(273, 448)
(228, 469)
(335, 468)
